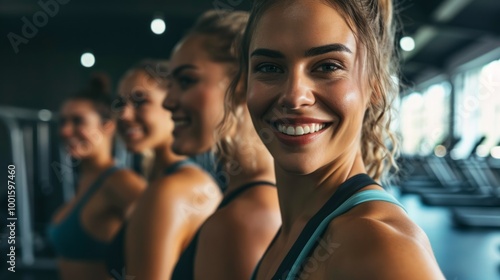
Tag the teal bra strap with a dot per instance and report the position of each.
(358, 198)
(93, 188)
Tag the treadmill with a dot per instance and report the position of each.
(488, 217)
(481, 190)
(443, 176)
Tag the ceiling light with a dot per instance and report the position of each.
(407, 44)
(87, 59)
(158, 26)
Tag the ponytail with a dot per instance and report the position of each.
(98, 92)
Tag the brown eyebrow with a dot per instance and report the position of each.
(268, 53)
(181, 68)
(326, 49)
(311, 52)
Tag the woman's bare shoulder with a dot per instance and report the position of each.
(238, 234)
(125, 178)
(378, 238)
(186, 182)
(252, 209)
(189, 191)
(123, 187)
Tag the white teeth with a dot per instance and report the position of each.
(307, 129)
(301, 129)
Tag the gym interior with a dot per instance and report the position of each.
(447, 118)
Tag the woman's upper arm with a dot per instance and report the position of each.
(125, 187)
(406, 260)
(163, 222)
(375, 248)
(231, 245)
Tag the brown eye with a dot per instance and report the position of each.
(138, 98)
(185, 81)
(327, 67)
(268, 68)
(139, 102)
(119, 104)
(77, 120)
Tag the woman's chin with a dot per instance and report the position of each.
(191, 147)
(295, 166)
(135, 149)
(74, 152)
(183, 148)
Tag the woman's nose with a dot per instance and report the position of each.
(297, 92)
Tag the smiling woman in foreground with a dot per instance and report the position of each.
(319, 90)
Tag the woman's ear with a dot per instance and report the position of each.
(109, 127)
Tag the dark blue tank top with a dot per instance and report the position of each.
(115, 259)
(69, 239)
(345, 198)
(184, 269)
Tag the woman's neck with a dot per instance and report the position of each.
(163, 158)
(96, 163)
(302, 196)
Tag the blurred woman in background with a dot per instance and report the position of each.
(180, 195)
(233, 239)
(83, 228)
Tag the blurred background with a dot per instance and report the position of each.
(448, 113)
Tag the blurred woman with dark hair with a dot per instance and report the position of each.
(83, 228)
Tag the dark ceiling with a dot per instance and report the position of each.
(447, 33)
(46, 68)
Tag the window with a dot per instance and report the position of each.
(477, 109)
(425, 119)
